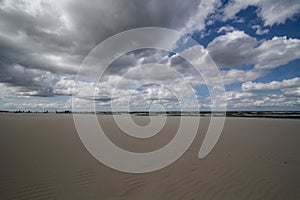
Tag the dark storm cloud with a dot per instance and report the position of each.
(29, 82)
(136, 58)
(40, 31)
(97, 20)
(69, 30)
(148, 56)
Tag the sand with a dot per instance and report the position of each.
(42, 157)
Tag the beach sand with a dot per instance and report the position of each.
(42, 157)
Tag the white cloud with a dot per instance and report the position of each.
(276, 52)
(248, 100)
(233, 49)
(235, 6)
(33, 103)
(259, 30)
(271, 11)
(237, 48)
(274, 85)
(291, 91)
(234, 75)
(226, 29)
(277, 12)
(197, 21)
(236, 95)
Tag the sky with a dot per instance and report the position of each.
(255, 45)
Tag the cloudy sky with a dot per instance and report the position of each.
(254, 44)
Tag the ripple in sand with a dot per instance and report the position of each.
(43, 190)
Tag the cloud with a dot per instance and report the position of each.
(233, 49)
(259, 30)
(30, 82)
(274, 85)
(294, 92)
(277, 51)
(197, 21)
(289, 93)
(268, 102)
(35, 105)
(226, 29)
(235, 95)
(271, 11)
(237, 48)
(235, 76)
(51, 38)
(245, 100)
(42, 44)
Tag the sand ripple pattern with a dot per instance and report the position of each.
(228, 183)
(84, 177)
(133, 184)
(5, 182)
(44, 190)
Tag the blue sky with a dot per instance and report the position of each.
(255, 46)
(290, 28)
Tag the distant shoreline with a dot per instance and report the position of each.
(246, 114)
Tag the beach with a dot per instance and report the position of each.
(42, 157)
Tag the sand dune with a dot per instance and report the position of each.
(42, 157)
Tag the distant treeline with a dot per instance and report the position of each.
(28, 111)
(264, 114)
